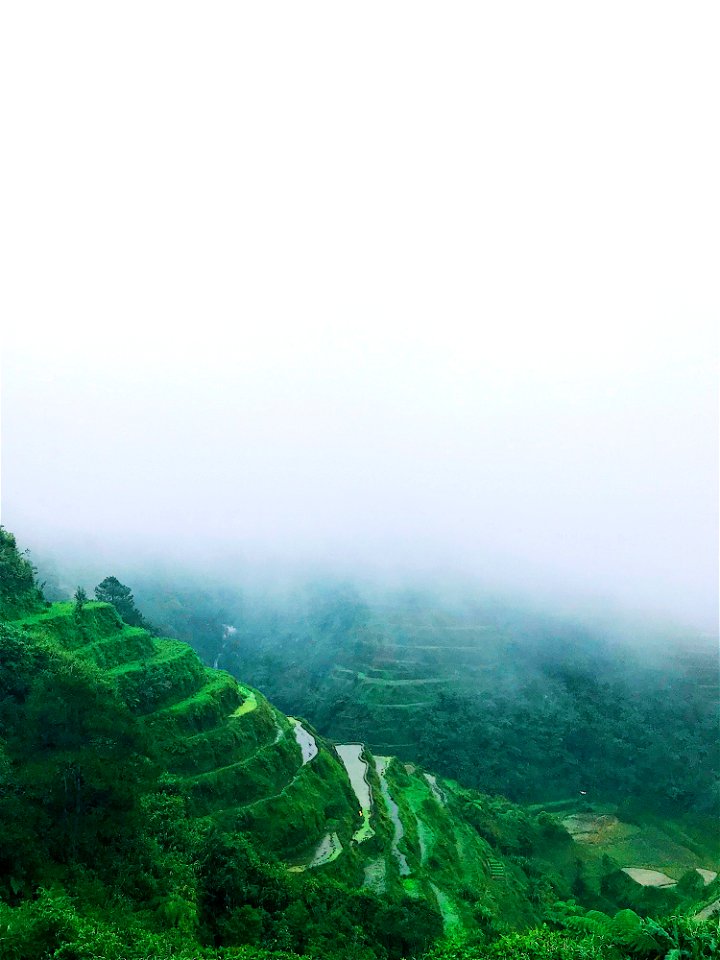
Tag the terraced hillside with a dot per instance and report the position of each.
(375, 670)
(412, 661)
(243, 765)
(530, 706)
(152, 806)
(235, 756)
(371, 821)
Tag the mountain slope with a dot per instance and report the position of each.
(534, 707)
(151, 806)
(239, 764)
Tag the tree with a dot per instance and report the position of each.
(19, 592)
(110, 590)
(80, 599)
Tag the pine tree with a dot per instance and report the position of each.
(110, 590)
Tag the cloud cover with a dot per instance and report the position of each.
(405, 288)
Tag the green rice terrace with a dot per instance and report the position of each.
(153, 806)
(386, 680)
(243, 765)
(533, 707)
(375, 821)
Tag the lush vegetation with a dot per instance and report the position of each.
(503, 699)
(106, 853)
(152, 807)
(110, 590)
(19, 592)
(574, 934)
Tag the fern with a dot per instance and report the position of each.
(593, 923)
(629, 930)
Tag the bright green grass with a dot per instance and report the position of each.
(60, 624)
(63, 609)
(249, 703)
(166, 651)
(207, 697)
(451, 918)
(412, 887)
(131, 644)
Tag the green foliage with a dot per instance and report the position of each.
(503, 701)
(19, 592)
(103, 855)
(110, 590)
(144, 813)
(80, 599)
(72, 752)
(623, 937)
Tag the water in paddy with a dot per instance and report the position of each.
(351, 756)
(356, 766)
(381, 764)
(435, 789)
(306, 741)
(649, 878)
(327, 850)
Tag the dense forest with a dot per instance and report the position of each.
(152, 806)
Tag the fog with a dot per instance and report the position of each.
(407, 291)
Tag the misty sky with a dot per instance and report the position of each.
(396, 286)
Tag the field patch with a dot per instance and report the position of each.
(249, 703)
(649, 878)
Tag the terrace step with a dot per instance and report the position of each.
(200, 711)
(496, 868)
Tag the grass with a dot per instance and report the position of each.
(58, 623)
(201, 710)
(447, 908)
(163, 653)
(265, 773)
(249, 703)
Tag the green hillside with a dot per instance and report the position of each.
(534, 707)
(153, 807)
(237, 763)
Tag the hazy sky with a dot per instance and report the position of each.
(405, 285)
